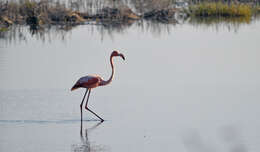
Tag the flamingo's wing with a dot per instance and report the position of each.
(86, 82)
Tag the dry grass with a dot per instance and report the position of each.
(42, 12)
(256, 9)
(38, 12)
(220, 9)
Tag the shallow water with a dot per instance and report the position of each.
(181, 88)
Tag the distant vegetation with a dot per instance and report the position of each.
(35, 12)
(46, 12)
(221, 9)
(256, 9)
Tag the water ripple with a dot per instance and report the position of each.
(44, 121)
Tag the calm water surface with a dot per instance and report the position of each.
(182, 88)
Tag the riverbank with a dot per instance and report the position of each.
(43, 12)
(46, 12)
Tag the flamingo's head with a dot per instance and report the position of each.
(116, 53)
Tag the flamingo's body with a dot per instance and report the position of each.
(92, 81)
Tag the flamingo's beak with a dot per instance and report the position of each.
(123, 57)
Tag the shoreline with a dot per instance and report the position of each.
(42, 13)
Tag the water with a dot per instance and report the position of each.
(182, 87)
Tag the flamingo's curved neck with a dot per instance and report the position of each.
(112, 75)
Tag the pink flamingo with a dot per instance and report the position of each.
(92, 81)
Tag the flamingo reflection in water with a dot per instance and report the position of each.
(85, 145)
(92, 81)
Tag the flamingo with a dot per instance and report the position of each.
(92, 81)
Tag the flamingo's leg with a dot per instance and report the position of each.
(82, 104)
(91, 110)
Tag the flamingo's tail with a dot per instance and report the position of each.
(76, 86)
